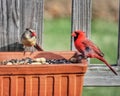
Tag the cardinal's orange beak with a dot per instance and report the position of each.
(33, 34)
(73, 34)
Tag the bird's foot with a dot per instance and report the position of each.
(77, 58)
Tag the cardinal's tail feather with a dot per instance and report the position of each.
(38, 47)
(102, 59)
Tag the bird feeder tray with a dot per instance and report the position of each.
(41, 80)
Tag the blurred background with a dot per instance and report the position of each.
(57, 33)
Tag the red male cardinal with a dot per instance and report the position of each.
(88, 48)
(29, 39)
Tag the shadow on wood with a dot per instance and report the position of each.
(49, 55)
(12, 47)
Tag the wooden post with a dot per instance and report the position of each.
(81, 17)
(119, 37)
(15, 17)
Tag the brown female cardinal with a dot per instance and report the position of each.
(29, 39)
(88, 48)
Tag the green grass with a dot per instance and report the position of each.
(101, 91)
(104, 34)
(57, 34)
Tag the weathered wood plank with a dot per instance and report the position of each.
(119, 37)
(15, 16)
(81, 17)
(100, 75)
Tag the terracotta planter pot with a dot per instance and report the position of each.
(41, 80)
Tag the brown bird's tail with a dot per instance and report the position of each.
(38, 47)
(102, 59)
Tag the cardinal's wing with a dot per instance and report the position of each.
(91, 46)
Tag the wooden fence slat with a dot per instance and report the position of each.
(101, 75)
(118, 62)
